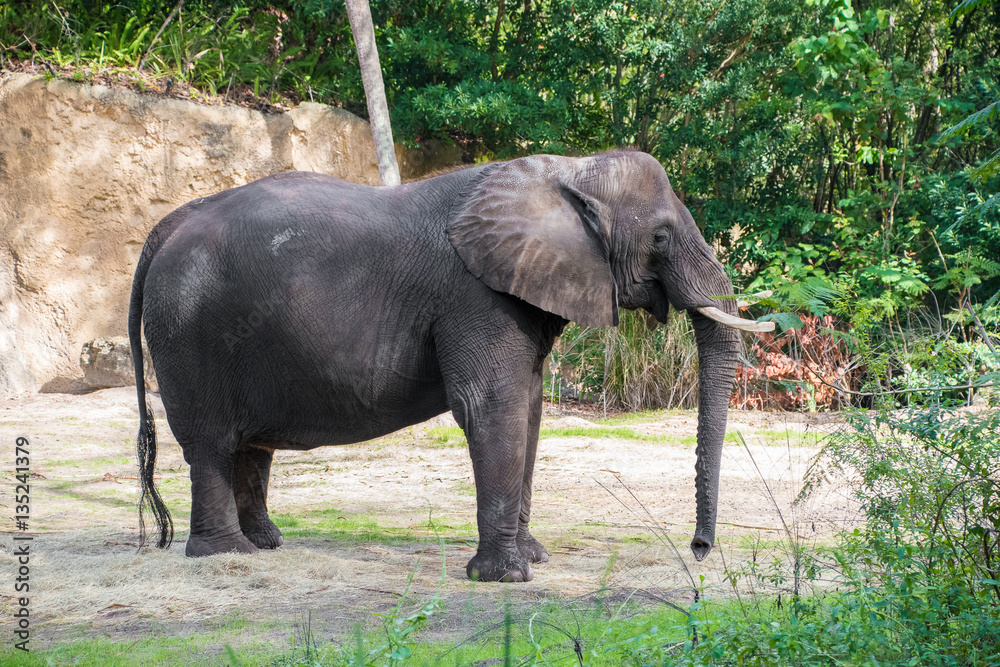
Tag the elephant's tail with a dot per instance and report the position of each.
(145, 442)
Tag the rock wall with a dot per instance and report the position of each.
(85, 173)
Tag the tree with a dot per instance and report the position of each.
(360, 17)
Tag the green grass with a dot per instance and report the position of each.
(643, 417)
(70, 489)
(608, 633)
(546, 625)
(446, 436)
(618, 432)
(452, 436)
(606, 630)
(111, 461)
(775, 541)
(548, 630)
(788, 437)
(206, 646)
(62, 464)
(464, 489)
(334, 524)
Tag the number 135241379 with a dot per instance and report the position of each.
(22, 548)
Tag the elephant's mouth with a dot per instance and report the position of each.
(661, 304)
(649, 295)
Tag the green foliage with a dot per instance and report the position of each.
(927, 556)
(967, 6)
(990, 167)
(916, 586)
(210, 46)
(635, 366)
(785, 321)
(827, 148)
(989, 114)
(843, 154)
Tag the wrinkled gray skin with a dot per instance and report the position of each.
(301, 311)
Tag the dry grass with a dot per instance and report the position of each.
(81, 578)
(357, 521)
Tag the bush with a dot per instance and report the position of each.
(798, 369)
(918, 585)
(636, 366)
(928, 482)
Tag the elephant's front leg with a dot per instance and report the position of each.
(496, 431)
(529, 547)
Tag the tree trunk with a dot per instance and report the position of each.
(495, 39)
(360, 16)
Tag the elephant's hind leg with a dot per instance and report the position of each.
(251, 472)
(215, 526)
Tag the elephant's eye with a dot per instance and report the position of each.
(661, 238)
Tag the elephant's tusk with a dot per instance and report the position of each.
(754, 297)
(714, 313)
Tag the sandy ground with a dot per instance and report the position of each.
(606, 508)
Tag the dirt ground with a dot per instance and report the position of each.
(357, 520)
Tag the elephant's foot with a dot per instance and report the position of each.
(503, 566)
(198, 545)
(263, 534)
(531, 549)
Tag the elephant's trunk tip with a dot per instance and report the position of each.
(700, 547)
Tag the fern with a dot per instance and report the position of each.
(812, 294)
(989, 168)
(967, 6)
(988, 114)
(969, 269)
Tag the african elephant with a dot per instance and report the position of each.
(301, 311)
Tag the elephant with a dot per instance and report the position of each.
(300, 311)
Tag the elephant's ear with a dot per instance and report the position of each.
(526, 230)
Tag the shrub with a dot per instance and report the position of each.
(798, 369)
(636, 366)
(927, 480)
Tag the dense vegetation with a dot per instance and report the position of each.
(843, 154)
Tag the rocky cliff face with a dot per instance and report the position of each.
(85, 173)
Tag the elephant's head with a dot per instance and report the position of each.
(581, 237)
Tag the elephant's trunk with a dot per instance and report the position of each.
(695, 280)
(718, 348)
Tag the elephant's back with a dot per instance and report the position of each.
(308, 244)
(287, 224)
